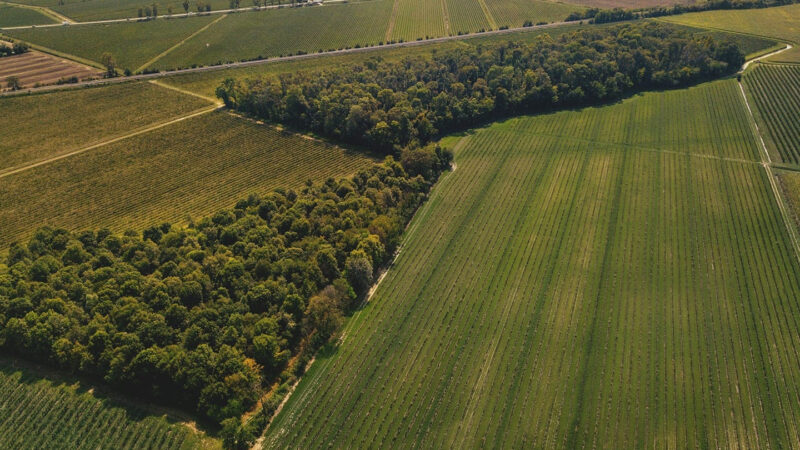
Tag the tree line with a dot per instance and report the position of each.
(388, 105)
(205, 317)
(595, 15)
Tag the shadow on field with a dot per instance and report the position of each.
(34, 375)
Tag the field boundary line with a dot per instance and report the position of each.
(766, 55)
(59, 18)
(165, 52)
(767, 164)
(488, 14)
(392, 20)
(164, 85)
(446, 17)
(147, 129)
(706, 27)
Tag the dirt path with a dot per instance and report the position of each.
(165, 52)
(376, 48)
(60, 18)
(747, 63)
(217, 102)
(446, 17)
(766, 162)
(488, 14)
(146, 129)
(392, 20)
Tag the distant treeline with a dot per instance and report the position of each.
(595, 15)
(389, 105)
(206, 317)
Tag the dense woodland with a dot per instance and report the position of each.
(388, 105)
(207, 316)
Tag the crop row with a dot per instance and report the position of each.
(776, 94)
(561, 292)
(188, 169)
(47, 126)
(42, 414)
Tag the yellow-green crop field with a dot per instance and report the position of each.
(618, 274)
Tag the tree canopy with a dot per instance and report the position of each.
(207, 315)
(389, 105)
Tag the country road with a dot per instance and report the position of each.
(170, 73)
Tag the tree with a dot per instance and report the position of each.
(359, 271)
(155, 10)
(13, 83)
(257, 4)
(208, 7)
(169, 10)
(147, 11)
(200, 7)
(141, 12)
(108, 61)
(185, 5)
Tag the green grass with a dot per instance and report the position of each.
(279, 32)
(131, 44)
(776, 97)
(751, 46)
(49, 125)
(11, 16)
(191, 168)
(39, 411)
(777, 23)
(581, 278)
(515, 12)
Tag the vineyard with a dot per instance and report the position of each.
(47, 126)
(11, 16)
(776, 93)
(187, 169)
(466, 16)
(418, 19)
(543, 296)
(132, 44)
(515, 13)
(37, 413)
(790, 186)
(777, 23)
(284, 31)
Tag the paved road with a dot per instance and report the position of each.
(169, 73)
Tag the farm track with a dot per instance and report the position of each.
(488, 14)
(147, 129)
(59, 18)
(767, 164)
(392, 20)
(167, 51)
(280, 59)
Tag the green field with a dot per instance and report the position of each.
(280, 32)
(611, 275)
(132, 44)
(184, 42)
(418, 19)
(514, 13)
(188, 169)
(48, 126)
(777, 23)
(43, 412)
(790, 186)
(466, 15)
(11, 16)
(775, 91)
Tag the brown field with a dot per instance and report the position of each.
(34, 68)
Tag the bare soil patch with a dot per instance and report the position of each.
(38, 69)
